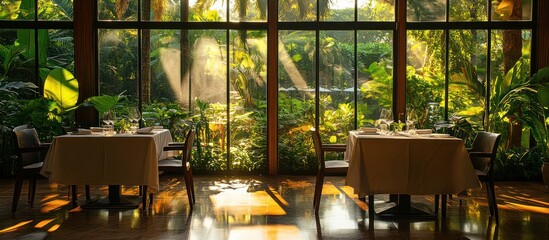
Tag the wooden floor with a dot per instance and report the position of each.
(258, 207)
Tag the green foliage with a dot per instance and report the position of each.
(10, 108)
(295, 119)
(518, 164)
(168, 115)
(431, 87)
(9, 9)
(62, 87)
(103, 103)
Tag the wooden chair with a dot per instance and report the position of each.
(183, 164)
(483, 154)
(326, 167)
(30, 153)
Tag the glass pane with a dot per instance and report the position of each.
(161, 11)
(505, 10)
(117, 62)
(16, 9)
(376, 10)
(337, 10)
(164, 58)
(425, 78)
(296, 101)
(208, 11)
(336, 73)
(297, 10)
(248, 11)
(468, 10)
(375, 75)
(209, 95)
(53, 10)
(467, 83)
(60, 49)
(164, 93)
(511, 49)
(117, 10)
(248, 101)
(20, 65)
(426, 10)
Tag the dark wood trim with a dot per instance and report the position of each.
(470, 25)
(542, 35)
(18, 24)
(399, 91)
(272, 89)
(180, 25)
(84, 59)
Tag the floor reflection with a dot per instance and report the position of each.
(279, 207)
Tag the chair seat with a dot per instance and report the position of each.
(480, 173)
(337, 164)
(170, 162)
(37, 165)
(336, 167)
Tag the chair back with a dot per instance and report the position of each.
(485, 142)
(189, 142)
(318, 149)
(26, 139)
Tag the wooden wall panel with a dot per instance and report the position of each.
(542, 40)
(84, 57)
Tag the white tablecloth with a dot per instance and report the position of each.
(382, 164)
(123, 159)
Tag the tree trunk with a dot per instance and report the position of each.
(185, 53)
(146, 56)
(512, 51)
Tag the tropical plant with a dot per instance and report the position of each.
(169, 115)
(55, 109)
(11, 104)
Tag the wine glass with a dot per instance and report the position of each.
(384, 117)
(388, 116)
(108, 118)
(411, 118)
(134, 116)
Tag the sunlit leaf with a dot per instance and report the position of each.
(104, 103)
(62, 87)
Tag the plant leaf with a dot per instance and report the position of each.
(62, 87)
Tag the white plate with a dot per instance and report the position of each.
(440, 135)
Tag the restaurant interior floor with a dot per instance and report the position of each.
(259, 207)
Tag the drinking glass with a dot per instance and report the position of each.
(134, 116)
(387, 117)
(411, 119)
(108, 118)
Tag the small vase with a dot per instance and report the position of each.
(545, 173)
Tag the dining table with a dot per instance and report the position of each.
(113, 160)
(404, 164)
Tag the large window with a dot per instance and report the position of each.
(29, 50)
(333, 65)
(331, 77)
(184, 76)
(454, 60)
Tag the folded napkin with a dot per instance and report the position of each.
(424, 131)
(82, 131)
(368, 130)
(145, 130)
(158, 127)
(96, 129)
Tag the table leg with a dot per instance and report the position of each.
(403, 209)
(115, 200)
